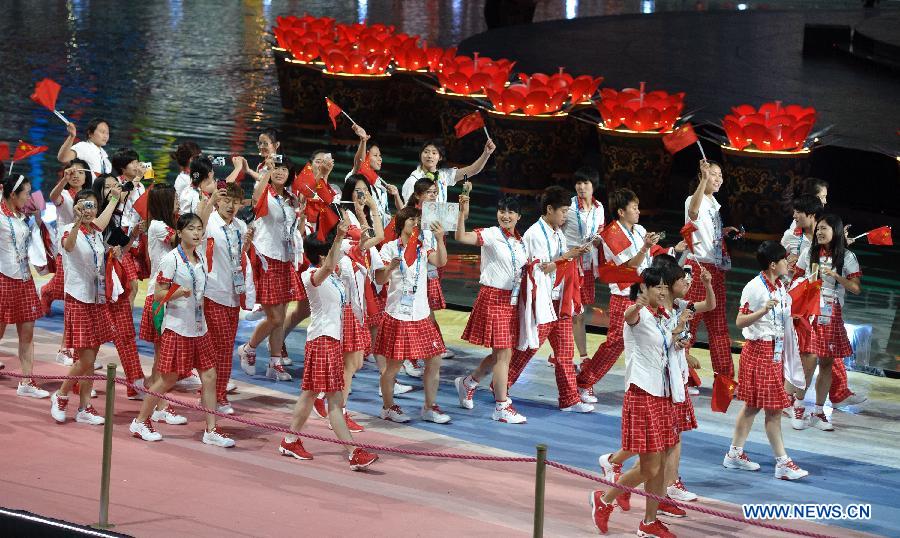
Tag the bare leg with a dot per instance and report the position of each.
(501, 359)
(302, 409)
(296, 317)
(336, 417)
(352, 363)
(26, 347)
(208, 395)
(579, 330)
(653, 466)
(86, 358)
(823, 381)
(773, 432)
(162, 384)
(743, 424)
(809, 368)
(388, 377)
(431, 380)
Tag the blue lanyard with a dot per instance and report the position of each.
(780, 304)
(98, 258)
(418, 264)
(665, 346)
(334, 281)
(512, 253)
(578, 217)
(235, 258)
(190, 269)
(22, 256)
(547, 239)
(631, 236)
(289, 226)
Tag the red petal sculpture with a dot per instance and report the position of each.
(772, 127)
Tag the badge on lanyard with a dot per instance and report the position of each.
(826, 309)
(517, 288)
(779, 349)
(237, 280)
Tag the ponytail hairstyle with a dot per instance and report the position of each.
(161, 205)
(186, 151)
(200, 167)
(651, 276)
(838, 245)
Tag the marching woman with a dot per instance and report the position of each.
(430, 158)
(278, 253)
(19, 303)
(383, 191)
(63, 197)
(829, 259)
(647, 421)
(203, 182)
(268, 145)
(771, 348)
(91, 150)
(324, 360)
(186, 151)
(185, 342)
(406, 330)
(86, 316)
(426, 190)
(230, 283)
(583, 223)
(494, 322)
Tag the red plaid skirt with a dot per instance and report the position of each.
(300, 291)
(130, 266)
(19, 301)
(86, 325)
(494, 322)
(683, 415)
(279, 285)
(54, 290)
(400, 340)
(831, 340)
(804, 335)
(323, 366)
(355, 336)
(179, 354)
(760, 379)
(647, 423)
(222, 322)
(147, 332)
(373, 319)
(436, 295)
(588, 289)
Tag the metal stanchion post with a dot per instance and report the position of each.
(540, 473)
(107, 447)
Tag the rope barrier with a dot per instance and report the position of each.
(445, 455)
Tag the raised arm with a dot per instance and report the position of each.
(360, 149)
(65, 153)
(239, 164)
(461, 235)
(329, 263)
(478, 165)
(709, 303)
(102, 220)
(263, 182)
(438, 258)
(377, 225)
(61, 185)
(697, 197)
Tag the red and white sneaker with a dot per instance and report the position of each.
(144, 430)
(247, 355)
(678, 492)
(133, 394)
(225, 407)
(741, 462)
(216, 438)
(31, 390)
(360, 459)
(465, 392)
(319, 406)
(276, 371)
(435, 415)
(169, 416)
(412, 368)
(612, 472)
(394, 414)
(799, 420)
(89, 415)
(506, 412)
(58, 406)
(820, 421)
(66, 357)
(352, 425)
(294, 449)
(789, 471)
(654, 530)
(600, 511)
(285, 358)
(587, 395)
(670, 510)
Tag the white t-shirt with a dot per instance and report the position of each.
(227, 241)
(184, 315)
(276, 235)
(755, 295)
(645, 352)
(708, 237)
(182, 182)
(502, 258)
(159, 236)
(12, 251)
(130, 217)
(582, 223)
(65, 212)
(831, 290)
(95, 157)
(794, 241)
(188, 201)
(446, 177)
(354, 275)
(84, 266)
(636, 236)
(413, 280)
(545, 244)
(325, 305)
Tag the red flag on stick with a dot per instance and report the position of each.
(680, 138)
(4, 151)
(366, 170)
(333, 111)
(305, 182)
(693, 378)
(722, 394)
(25, 150)
(468, 123)
(805, 298)
(323, 189)
(621, 275)
(390, 231)
(326, 221)
(880, 236)
(140, 205)
(687, 233)
(412, 248)
(45, 94)
(615, 238)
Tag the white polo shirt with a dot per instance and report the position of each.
(755, 295)
(794, 241)
(276, 235)
(502, 258)
(645, 352)
(95, 157)
(182, 181)
(636, 237)
(582, 223)
(708, 237)
(354, 276)
(85, 265)
(413, 278)
(188, 200)
(227, 241)
(159, 237)
(831, 290)
(326, 310)
(545, 244)
(181, 313)
(446, 177)
(65, 213)
(11, 226)
(130, 217)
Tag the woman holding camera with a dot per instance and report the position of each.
(203, 182)
(91, 150)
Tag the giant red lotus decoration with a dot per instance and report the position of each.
(410, 56)
(346, 59)
(305, 37)
(637, 110)
(467, 76)
(771, 128)
(543, 94)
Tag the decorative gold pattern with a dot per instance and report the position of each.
(637, 161)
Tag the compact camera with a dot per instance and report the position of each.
(278, 158)
(89, 204)
(218, 161)
(128, 186)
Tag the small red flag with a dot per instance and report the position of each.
(615, 238)
(805, 298)
(261, 209)
(412, 247)
(622, 275)
(722, 393)
(172, 289)
(366, 170)
(333, 111)
(25, 150)
(693, 378)
(313, 205)
(305, 182)
(4, 151)
(687, 233)
(880, 236)
(390, 231)
(140, 205)
(45, 94)
(326, 221)
(210, 250)
(323, 189)
(680, 138)
(468, 123)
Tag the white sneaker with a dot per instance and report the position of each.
(276, 371)
(137, 395)
(98, 365)
(168, 416)
(411, 368)
(609, 468)
(741, 462)
(217, 438)
(66, 357)
(819, 420)
(231, 387)
(465, 393)
(58, 407)
(853, 399)
(394, 414)
(144, 430)
(580, 407)
(693, 391)
(225, 408)
(286, 361)
(399, 388)
(89, 415)
(587, 395)
(789, 471)
(505, 412)
(435, 415)
(256, 314)
(448, 354)
(680, 493)
(189, 383)
(799, 420)
(31, 390)
(248, 358)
